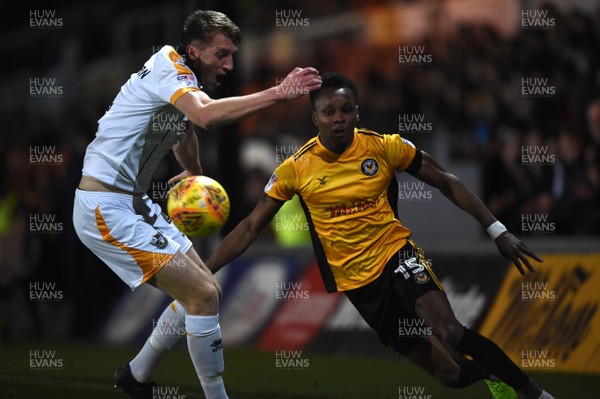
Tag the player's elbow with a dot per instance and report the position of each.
(448, 182)
(209, 116)
(204, 120)
(251, 229)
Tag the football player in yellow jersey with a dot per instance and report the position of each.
(342, 177)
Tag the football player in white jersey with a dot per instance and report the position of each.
(154, 112)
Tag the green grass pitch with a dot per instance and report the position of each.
(86, 372)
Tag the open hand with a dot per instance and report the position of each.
(512, 248)
(298, 83)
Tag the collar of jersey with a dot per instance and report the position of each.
(334, 156)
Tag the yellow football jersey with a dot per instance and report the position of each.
(345, 197)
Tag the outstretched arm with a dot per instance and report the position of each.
(209, 113)
(244, 234)
(509, 246)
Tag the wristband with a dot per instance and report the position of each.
(496, 229)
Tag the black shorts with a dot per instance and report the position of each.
(387, 304)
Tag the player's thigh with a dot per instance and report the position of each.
(435, 309)
(431, 356)
(418, 288)
(193, 254)
(190, 283)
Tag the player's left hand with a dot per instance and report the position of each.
(512, 248)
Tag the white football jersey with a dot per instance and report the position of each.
(142, 124)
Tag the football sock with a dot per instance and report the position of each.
(470, 372)
(492, 358)
(206, 351)
(534, 391)
(169, 329)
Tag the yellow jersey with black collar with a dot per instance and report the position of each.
(345, 198)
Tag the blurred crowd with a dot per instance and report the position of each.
(471, 93)
(538, 148)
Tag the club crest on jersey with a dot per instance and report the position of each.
(369, 167)
(159, 240)
(421, 278)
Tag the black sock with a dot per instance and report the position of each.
(470, 372)
(492, 358)
(531, 390)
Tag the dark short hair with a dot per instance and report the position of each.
(202, 25)
(334, 80)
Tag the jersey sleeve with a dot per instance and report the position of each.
(175, 78)
(401, 152)
(282, 184)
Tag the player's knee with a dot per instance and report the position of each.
(209, 294)
(202, 298)
(448, 376)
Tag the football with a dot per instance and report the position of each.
(198, 206)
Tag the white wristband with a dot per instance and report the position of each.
(496, 229)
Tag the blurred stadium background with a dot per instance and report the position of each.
(501, 92)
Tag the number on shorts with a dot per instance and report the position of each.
(412, 265)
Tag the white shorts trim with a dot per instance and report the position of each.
(133, 248)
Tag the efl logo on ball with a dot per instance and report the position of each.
(198, 206)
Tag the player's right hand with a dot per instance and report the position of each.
(512, 248)
(299, 82)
